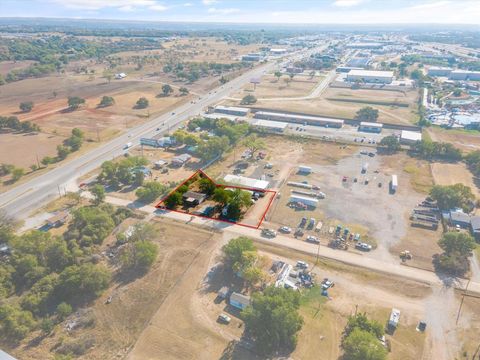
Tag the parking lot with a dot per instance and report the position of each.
(357, 197)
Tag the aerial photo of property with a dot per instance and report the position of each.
(240, 180)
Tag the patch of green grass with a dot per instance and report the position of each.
(313, 296)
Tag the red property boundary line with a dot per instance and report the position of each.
(201, 172)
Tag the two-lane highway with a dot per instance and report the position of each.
(24, 198)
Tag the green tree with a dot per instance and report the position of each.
(457, 248)
(98, 192)
(166, 90)
(363, 345)
(139, 178)
(367, 113)
(273, 320)
(173, 200)
(362, 322)
(62, 152)
(15, 323)
(248, 100)
(80, 283)
(222, 196)
(74, 102)
(26, 106)
(150, 191)
(213, 147)
(64, 310)
(234, 252)
(390, 143)
(207, 186)
(139, 256)
(17, 173)
(106, 101)
(452, 196)
(277, 74)
(142, 103)
(183, 90)
(253, 144)
(47, 160)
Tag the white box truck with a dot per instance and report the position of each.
(394, 318)
(304, 200)
(394, 183)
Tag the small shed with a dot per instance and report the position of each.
(181, 160)
(239, 301)
(160, 163)
(193, 198)
(58, 219)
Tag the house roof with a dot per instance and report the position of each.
(459, 216)
(475, 223)
(240, 298)
(182, 157)
(194, 195)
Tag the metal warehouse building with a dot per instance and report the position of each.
(271, 126)
(246, 182)
(299, 119)
(439, 71)
(232, 110)
(370, 76)
(370, 127)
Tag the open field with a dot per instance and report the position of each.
(351, 102)
(466, 141)
(28, 147)
(271, 87)
(451, 174)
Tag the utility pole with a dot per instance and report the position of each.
(461, 303)
(59, 193)
(38, 162)
(98, 135)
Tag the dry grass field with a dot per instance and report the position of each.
(271, 87)
(356, 99)
(451, 174)
(466, 141)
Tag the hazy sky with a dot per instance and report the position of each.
(263, 11)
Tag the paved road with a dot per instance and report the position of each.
(347, 257)
(24, 198)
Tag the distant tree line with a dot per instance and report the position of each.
(12, 123)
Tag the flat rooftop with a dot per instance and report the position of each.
(301, 117)
(411, 135)
(371, 124)
(246, 182)
(270, 124)
(232, 108)
(374, 73)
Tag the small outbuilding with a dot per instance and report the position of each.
(410, 137)
(181, 160)
(371, 127)
(239, 301)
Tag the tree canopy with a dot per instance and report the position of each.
(361, 339)
(367, 113)
(453, 196)
(273, 320)
(457, 248)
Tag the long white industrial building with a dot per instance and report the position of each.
(370, 76)
(246, 182)
(299, 119)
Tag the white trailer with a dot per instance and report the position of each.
(364, 168)
(304, 200)
(394, 318)
(394, 183)
(299, 184)
(304, 169)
